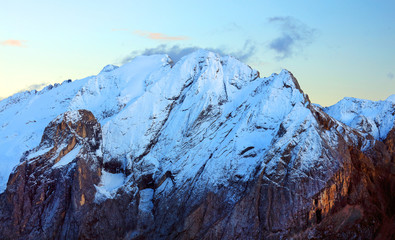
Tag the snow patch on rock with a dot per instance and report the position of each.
(391, 98)
(68, 158)
(109, 185)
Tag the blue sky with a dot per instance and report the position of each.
(334, 48)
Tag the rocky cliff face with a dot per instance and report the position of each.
(203, 149)
(50, 192)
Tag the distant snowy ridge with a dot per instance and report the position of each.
(374, 117)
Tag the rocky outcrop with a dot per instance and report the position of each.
(47, 198)
(359, 200)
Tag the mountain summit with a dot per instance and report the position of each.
(201, 149)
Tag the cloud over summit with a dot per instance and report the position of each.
(294, 36)
(176, 52)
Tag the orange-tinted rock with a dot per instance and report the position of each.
(46, 202)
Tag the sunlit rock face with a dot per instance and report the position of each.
(52, 189)
(200, 149)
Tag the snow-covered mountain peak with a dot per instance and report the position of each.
(109, 68)
(216, 105)
(201, 55)
(285, 79)
(71, 117)
(207, 103)
(391, 98)
(109, 92)
(154, 143)
(374, 117)
(142, 90)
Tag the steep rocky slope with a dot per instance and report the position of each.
(49, 192)
(200, 149)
